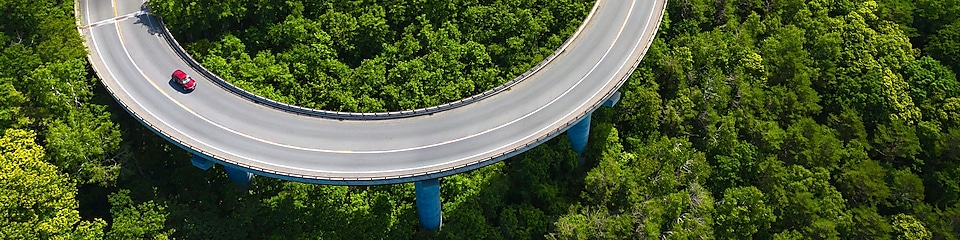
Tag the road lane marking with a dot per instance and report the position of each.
(629, 14)
(380, 151)
(114, 19)
(606, 53)
(93, 39)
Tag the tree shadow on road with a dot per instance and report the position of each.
(153, 24)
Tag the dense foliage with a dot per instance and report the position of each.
(37, 200)
(779, 119)
(55, 132)
(45, 87)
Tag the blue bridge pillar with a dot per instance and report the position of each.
(580, 132)
(238, 175)
(612, 100)
(201, 162)
(428, 204)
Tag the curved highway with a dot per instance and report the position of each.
(129, 52)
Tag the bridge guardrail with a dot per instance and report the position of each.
(558, 131)
(368, 180)
(376, 115)
(156, 129)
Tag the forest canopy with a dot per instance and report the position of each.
(783, 119)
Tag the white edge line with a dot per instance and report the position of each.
(606, 53)
(93, 39)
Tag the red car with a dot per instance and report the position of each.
(184, 80)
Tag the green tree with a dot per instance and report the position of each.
(865, 223)
(803, 200)
(899, 11)
(863, 183)
(897, 143)
(742, 214)
(945, 45)
(48, 89)
(930, 81)
(947, 185)
(739, 167)
(38, 202)
(862, 68)
(933, 15)
(908, 227)
(85, 140)
(655, 190)
(906, 190)
(812, 145)
(790, 72)
(131, 220)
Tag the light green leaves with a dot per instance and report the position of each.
(36, 200)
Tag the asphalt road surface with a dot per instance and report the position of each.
(130, 54)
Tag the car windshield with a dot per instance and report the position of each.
(187, 80)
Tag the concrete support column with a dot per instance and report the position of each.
(612, 100)
(428, 204)
(201, 162)
(579, 133)
(238, 175)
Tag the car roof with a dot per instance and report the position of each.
(180, 74)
